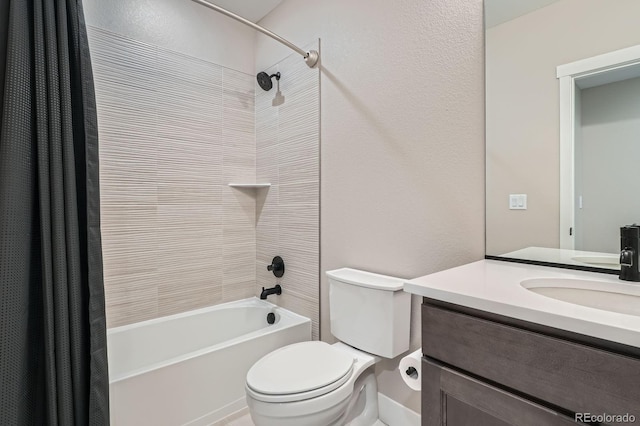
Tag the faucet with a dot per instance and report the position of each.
(277, 267)
(629, 253)
(269, 291)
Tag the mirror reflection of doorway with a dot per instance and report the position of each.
(599, 149)
(607, 164)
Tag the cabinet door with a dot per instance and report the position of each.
(576, 377)
(450, 398)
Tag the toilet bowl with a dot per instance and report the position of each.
(317, 384)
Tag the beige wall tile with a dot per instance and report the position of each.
(288, 156)
(174, 131)
(131, 298)
(188, 289)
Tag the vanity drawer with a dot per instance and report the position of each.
(576, 377)
(450, 398)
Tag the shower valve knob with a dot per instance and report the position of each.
(277, 266)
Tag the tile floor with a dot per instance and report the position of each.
(242, 421)
(246, 421)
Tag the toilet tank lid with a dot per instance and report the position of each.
(366, 279)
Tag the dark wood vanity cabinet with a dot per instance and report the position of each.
(481, 369)
(455, 399)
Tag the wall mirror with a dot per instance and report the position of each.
(562, 129)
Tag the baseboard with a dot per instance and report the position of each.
(222, 415)
(393, 413)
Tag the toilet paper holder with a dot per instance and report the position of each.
(409, 370)
(412, 372)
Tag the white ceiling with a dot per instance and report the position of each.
(498, 11)
(253, 10)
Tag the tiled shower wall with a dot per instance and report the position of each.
(174, 131)
(288, 157)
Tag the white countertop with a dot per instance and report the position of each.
(494, 286)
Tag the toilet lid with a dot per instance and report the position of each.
(297, 368)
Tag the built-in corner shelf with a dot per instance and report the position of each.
(250, 185)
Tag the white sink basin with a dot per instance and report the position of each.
(608, 296)
(602, 261)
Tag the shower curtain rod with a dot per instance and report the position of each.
(311, 57)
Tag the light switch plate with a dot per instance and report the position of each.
(517, 201)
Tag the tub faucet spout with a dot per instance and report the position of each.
(269, 291)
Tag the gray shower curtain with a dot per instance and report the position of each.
(53, 359)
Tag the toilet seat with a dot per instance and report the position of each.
(298, 372)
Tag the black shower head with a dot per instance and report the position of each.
(264, 80)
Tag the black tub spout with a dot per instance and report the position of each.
(269, 291)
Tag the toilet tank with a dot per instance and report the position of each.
(369, 311)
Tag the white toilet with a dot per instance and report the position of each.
(317, 384)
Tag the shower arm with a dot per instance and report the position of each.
(311, 57)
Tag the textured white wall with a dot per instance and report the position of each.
(402, 138)
(178, 25)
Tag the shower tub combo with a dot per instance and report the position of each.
(190, 368)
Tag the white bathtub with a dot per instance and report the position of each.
(190, 368)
